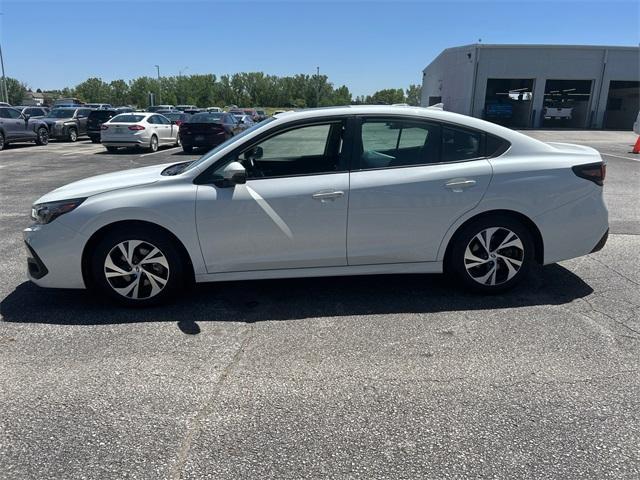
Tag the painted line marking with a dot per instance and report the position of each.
(159, 151)
(620, 156)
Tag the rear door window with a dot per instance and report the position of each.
(460, 144)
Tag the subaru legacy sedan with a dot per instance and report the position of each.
(336, 191)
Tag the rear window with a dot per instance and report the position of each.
(210, 117)
(101, 114)
(127, 118)
(496, 146)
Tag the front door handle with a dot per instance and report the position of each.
(459, 184)
(327, 195)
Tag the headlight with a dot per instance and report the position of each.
(43, 213)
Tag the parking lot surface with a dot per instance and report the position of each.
(350, 377)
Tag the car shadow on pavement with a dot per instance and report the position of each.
(255, 301)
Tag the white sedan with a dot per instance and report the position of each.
(339, 191)
(139, 129)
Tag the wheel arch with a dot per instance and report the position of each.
(102, 231)
(526, 221)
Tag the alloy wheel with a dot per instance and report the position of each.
(494, 256)
(136, 269)
(43, 136)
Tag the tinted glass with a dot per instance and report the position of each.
(460, 144)
(399, 143)
(13, 113)
(4, 113)
(302, 151)
(495, 146)
(208, 117)
(61, 113)
(127, 118)
(164, 120)
(101, 114)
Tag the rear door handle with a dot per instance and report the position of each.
(327, 195)
(459, 184)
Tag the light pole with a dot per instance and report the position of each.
(159, 86)
(3, 88)
(180, 83)
(317, 86)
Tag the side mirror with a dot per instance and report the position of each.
(234, 174)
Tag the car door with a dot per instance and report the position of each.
(82, 115)
(170, 131)
(411, 180)
(18, 125)
(292, 211)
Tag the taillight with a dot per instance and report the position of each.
(596, 172)
(104, 127)
(178, 122)
(136, 127)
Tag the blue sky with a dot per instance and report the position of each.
(367, 45)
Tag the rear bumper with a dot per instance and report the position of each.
(575, 229)
(601, 243)
(124, 143)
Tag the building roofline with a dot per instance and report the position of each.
(533, 46)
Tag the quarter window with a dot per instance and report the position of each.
(307, 150)
(460, 144)
(398, 143)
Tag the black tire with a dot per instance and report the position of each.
(112, 149)
(95, 140)
(72, 136)
(465, 269)
(187, 149)
(42, 136)
(2, 142)
(153, 144)
(149, 237)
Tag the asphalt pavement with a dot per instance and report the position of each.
(394, 377)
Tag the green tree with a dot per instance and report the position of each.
(16, 90)
(414, 94)
(93, 90)
(387, 96)
(119, 93)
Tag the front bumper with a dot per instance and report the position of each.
(54, 255)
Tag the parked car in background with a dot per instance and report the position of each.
(192, 111)
(67, 123)
(177, 118)
(207, 130)
(146, 130)
(262, 115)
(67, 102)
(214, 109)
(156, 108)
(100, 106)
(16, 127)
(33, 112)
(245, 121)
(96, 119)
(182, 108)
(338, 191)
(125, 109)
(252, 112)
(5, 104)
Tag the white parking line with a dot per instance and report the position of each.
(159, 151)
(637, 159)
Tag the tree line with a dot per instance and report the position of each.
(244, 89)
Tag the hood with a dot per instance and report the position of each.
(107, 182)
(51, 121)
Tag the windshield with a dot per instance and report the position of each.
(226, 143)
(127, 118)
(174, 116)
(61, 113)
(205, 118)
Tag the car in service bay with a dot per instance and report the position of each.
(139, 130)
(336, 191)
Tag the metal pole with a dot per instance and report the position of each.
(159, 86)
(317, 86)
(5, 92)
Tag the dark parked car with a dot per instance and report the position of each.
(177, 118)
(67, 102)
(207, 130)
(95, 120)
(67, 123)
(33, 112)
(17, 127)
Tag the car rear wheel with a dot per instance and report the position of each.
(42, 136)
(492, 254)
(153, 144)
(95, 140)
(112, 149)
(137, 266)
(73, 135)
(187, 149)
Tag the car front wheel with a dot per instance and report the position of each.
(42, 136)
(492, 254)
(73, 135)
(137, 267)
(153, 144)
